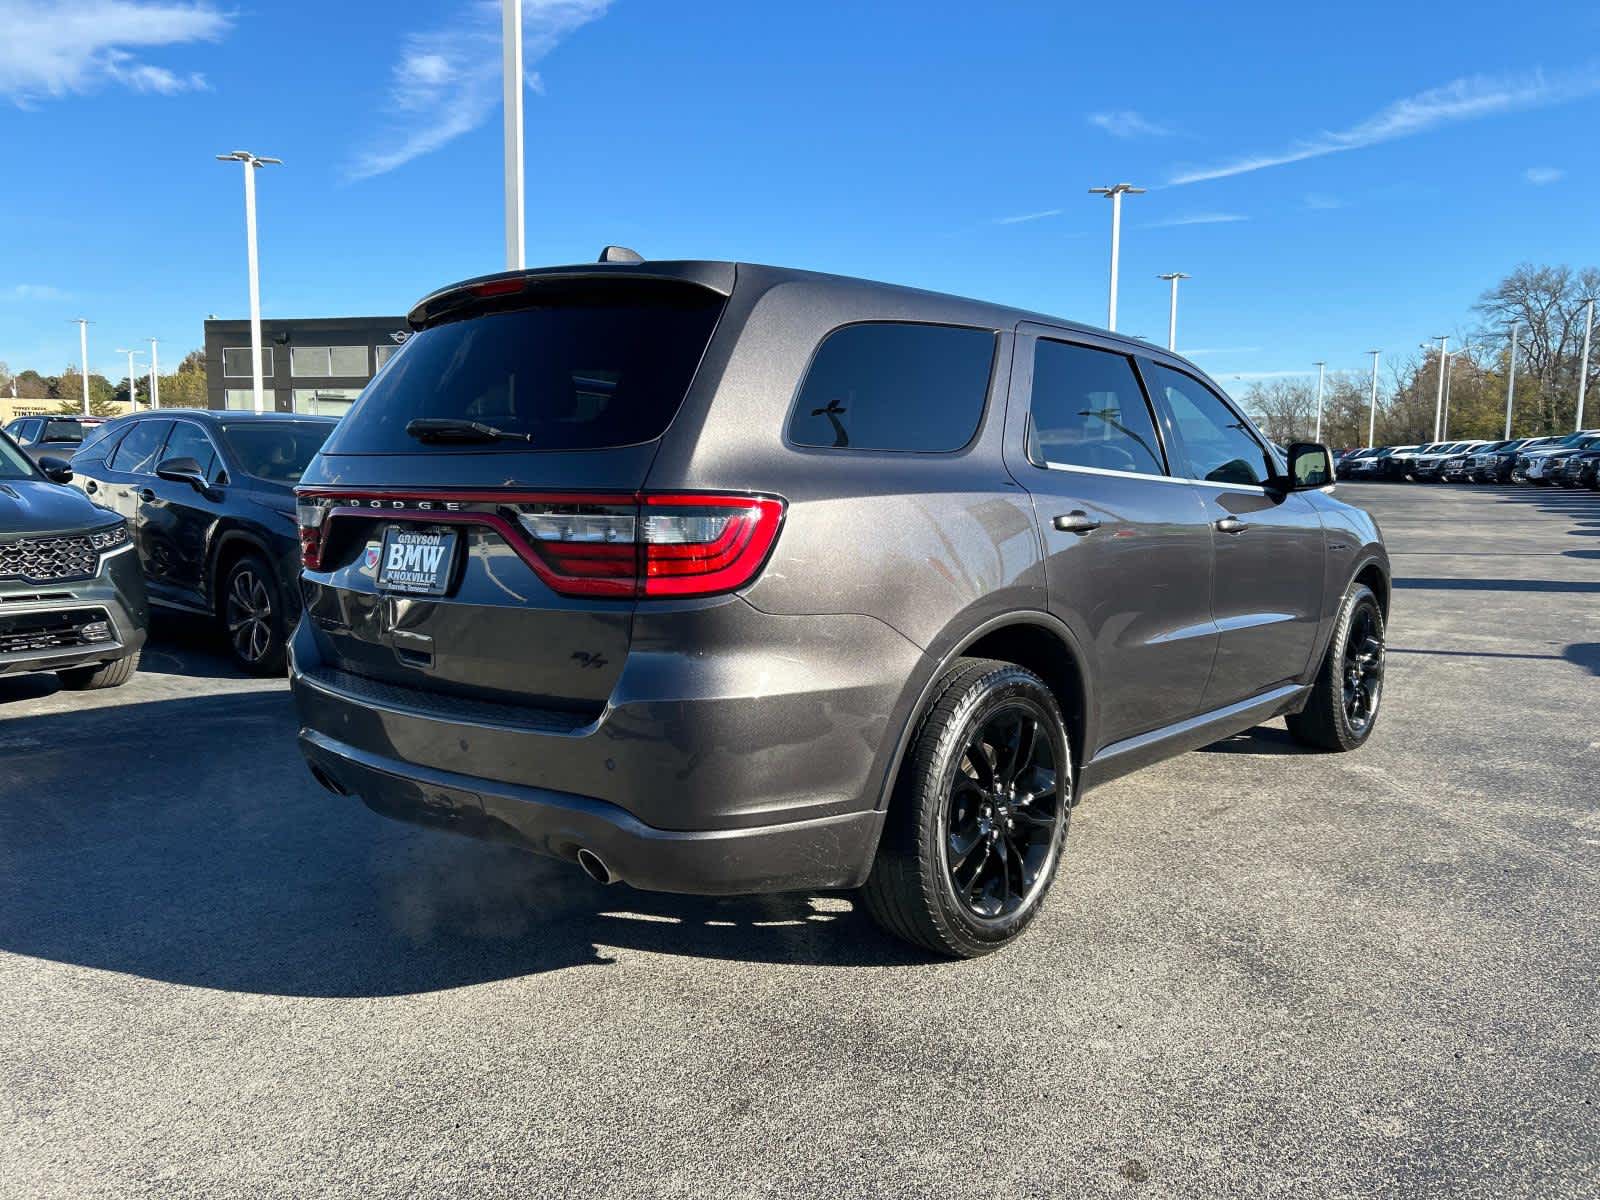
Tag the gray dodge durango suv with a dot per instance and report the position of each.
(722, 578)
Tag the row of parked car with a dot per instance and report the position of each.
(1569, 461)
(188, 511)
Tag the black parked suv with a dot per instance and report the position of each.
(726, 578)
(71, 597)
(210, 498)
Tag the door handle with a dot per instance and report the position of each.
(146, 495)
(1230, 525)
(1077, 521)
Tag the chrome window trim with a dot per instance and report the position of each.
(204, 432)
(1210, 483)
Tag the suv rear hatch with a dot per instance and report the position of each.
(475, 530)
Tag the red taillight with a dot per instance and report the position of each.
(682, 545)
(584, 544)
(310, 515)
(700, 545)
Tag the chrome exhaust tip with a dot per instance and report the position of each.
(595, 867)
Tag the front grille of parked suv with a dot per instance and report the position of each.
(42, 560)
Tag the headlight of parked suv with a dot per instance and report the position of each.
(110, 537)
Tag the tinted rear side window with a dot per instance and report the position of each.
(138, 452)
(888, 386)
(585, 369)
(278, 451)
(1088, 410)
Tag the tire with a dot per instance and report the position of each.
(102, 675)
(1328, 720)
(250, 608)
(961, 785)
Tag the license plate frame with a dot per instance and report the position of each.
(416, 571)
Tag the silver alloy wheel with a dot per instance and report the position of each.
(249, 616)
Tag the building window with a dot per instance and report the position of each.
(322, 362)
(349, 362)
(324, 402)
(385, 353)
(236, 362)
(244, 399)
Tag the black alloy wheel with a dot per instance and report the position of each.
(979, 815)
(252, 617)
(1343, 705)
(1002, 815)
(1363, 669)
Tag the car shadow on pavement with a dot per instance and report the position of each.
(181, 644)
(1263, 739)
(183, 840)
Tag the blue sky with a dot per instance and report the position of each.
(1333, 178)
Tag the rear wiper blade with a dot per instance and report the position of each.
(457, 429)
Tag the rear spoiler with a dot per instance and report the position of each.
(498, 291)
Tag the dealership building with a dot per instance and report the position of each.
(310, 365)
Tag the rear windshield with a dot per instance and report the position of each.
(589, 368)
(276, 450)
(63, 431)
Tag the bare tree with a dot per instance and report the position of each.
(1547, 303)
(1284, 408)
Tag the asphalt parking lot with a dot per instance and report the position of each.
(1262, 972)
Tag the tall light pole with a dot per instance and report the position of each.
(1583, 366)
(1438, 405)
(83, 354)
(1116, 191)
(133, 380)
(511, 68)
(155, 374)
(252, 164)
(1372, 417)
(1449, 370)
(1321, 367)
(1172, 308)
(1511, 379)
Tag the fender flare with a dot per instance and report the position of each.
(1037, 618)
(1369, 557)
(220, 542)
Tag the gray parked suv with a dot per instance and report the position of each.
(725, 578)
(72, 599)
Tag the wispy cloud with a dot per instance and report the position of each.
(1460, 100)
(33, 291)
(1208, 218)
(447, 80)
(1033, 216)
(1125, 123)
(50, 50)
(1248, 375)
(1541, 176)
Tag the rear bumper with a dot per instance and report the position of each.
(739, 751)
(825, 852)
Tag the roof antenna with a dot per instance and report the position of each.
(620, 254)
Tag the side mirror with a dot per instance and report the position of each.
(184, 470)
(55, 469)
(1310, 467)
